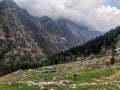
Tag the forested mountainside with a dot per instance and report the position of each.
(98, 46)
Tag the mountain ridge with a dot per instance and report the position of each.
(27, 39)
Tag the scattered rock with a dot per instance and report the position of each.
(9, 83)
(97, 80)
(61, 83)
(65, 81)
(52, 89)
(83, 84)
(93, 84)
(36, 81)
(45, 83)
(73, 86)
(54, 78)
(43, 88)
(29, 84)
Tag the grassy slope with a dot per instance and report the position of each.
(89, 76)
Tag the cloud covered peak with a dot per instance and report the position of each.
(92, 13)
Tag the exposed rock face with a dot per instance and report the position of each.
(16, 40)
(27, 38)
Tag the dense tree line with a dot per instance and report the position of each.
(8, 68)
(91, 47)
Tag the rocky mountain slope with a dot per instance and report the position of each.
(16, 42)
(24, 38)
(81, 32)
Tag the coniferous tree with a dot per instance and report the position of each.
(113, 53)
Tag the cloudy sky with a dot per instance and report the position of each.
(101, 15)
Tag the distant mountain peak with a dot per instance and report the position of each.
(8, 3)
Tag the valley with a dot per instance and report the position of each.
(63, 52)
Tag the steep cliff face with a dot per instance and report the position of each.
(16, 42)
(24, 38)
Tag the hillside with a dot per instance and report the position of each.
(97, 47)
(91, 74)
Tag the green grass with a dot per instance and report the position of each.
(15, 86)
(109, 86)
(67, 87)
(88, 76)
(85, 76)
(66, 72)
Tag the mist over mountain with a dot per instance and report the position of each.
(25, 38)
(98, 15)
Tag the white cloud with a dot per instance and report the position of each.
(107, 17)
(91, 13)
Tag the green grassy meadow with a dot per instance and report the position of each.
(89, 77)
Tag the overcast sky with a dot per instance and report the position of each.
(100, 15)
